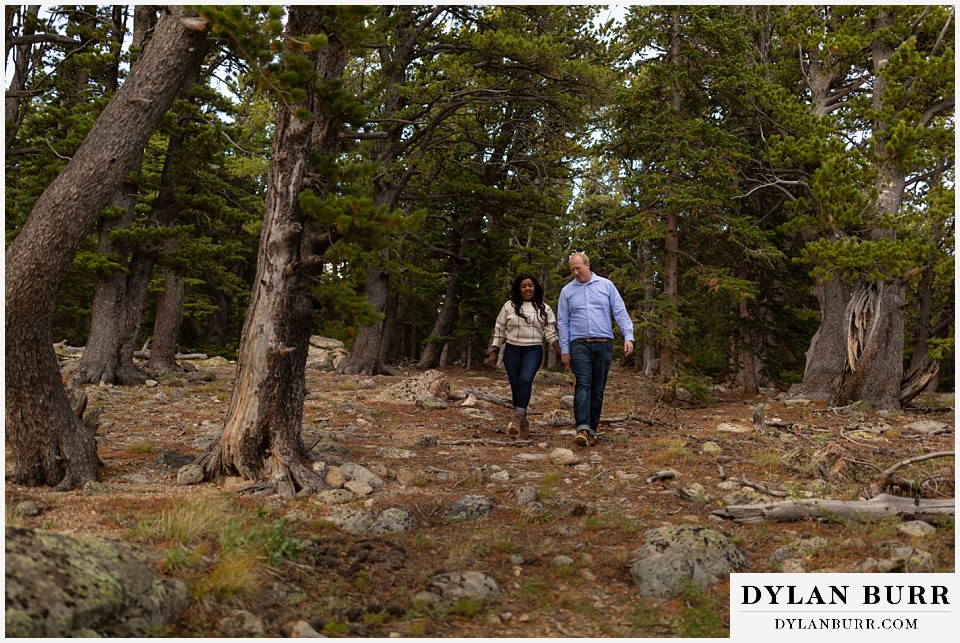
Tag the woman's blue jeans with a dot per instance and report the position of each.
(590, 362)
(522, 363)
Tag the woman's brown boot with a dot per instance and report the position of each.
(524, 428)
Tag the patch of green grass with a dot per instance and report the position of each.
(548, 485)
(466, 607)
(702, 615)
(362, 581)
(620, 438)
(371, 618)
(644, 617)
(664, 451)
(184, 521)
(337, 629)
(236, 576)
(536, 590)
(767, 460)
(142, 447)
(506, 546)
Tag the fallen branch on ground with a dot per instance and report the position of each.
(881, 506)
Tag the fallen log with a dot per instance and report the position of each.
(882, 506)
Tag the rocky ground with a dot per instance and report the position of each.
(542, 531)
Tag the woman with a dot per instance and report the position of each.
(523, 323)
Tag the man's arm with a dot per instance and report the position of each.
(622, 318)
(563, 329)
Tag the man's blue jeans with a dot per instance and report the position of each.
(590, 362)
(521, 364)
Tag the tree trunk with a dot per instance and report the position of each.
(261, 437)
(50, 445)
(825, 357)
(432, 351)
(364, 356)
(671, 258)
(747, 361)
(15, 106)
(100, 356)
(111, 358)
(166, 324)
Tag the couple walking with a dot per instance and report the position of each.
(581, 333)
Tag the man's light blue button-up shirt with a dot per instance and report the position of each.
(584, 311)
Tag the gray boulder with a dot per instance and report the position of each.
(370, 521)
(672, 556)
(58, 585)
(471, 508)
(454, 586)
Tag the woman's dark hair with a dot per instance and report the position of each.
(517, 299)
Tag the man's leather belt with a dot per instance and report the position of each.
(593, 339)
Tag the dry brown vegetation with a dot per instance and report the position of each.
(280, 560)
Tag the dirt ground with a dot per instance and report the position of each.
(596, 514)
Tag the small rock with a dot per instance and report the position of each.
(566, 402)
(793, 566)
(916, 529)
(728, 427)
(530, 457)
(471, 507)
(190, 474)
(501, 476)
(28, 508)
(454, 586)
(431, 403)
(335, 477)
(588, 575)
(426, 598)
(334, 497)
(561, 456)
(798, 401)
(428, 441)
(523, 618)
(137, 478)
(711, 448)
(695, 493)
(517, 559)
(303, 630)
(94, 488)
(479, 414)
(562, 561)
(526, 495)
(242, 623)
(927, 426)
(406, 476)
(470, 402)
(358, 487)
(151, 383)
(393, 453)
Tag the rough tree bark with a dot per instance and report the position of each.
(50, 445)
(115, 332)
(671, 255)
(261, 437)
(166, 325)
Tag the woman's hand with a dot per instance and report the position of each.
(492, 358)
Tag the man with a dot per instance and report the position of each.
(586, 340)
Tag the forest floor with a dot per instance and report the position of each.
(303, 568)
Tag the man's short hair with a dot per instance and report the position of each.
(583, 257)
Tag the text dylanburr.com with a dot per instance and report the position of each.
(844, 607)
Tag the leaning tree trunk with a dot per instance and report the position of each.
(432, 351)
(825, 356)
(50, 445)
(261, 437)
(365, 354)
(100, 358)
(166, 324)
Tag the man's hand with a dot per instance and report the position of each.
(627, 347)
(565, 358)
